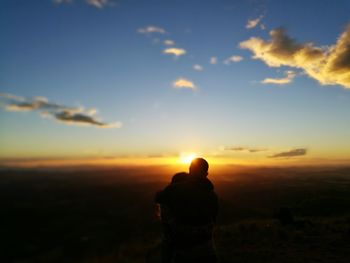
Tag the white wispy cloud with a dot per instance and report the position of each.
(289, 76)
(169, 42)
(213, 60)
(59, 112)
(253, 22)
(232, 59)
(328, 65)
(62, 1)
(175, 51)
(198, 67)
(11, 97)
(182, 83)
(96, 3)
(151, 29)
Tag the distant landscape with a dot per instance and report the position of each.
(107, 215)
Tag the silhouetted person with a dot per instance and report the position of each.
(193, 206)
(167, 219)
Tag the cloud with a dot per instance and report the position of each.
(62, 1)
(69, 117)
(175, 51)
(197, 67)
(11, 96)
(151, 29)
(253, 22)
(328, 65)
(213, 60)
(16, 103)
(182, 83)
(244, 149)
(96, 3)
(169, 42)
(282, 81)
(232, 59)
(291, 153)
(46, 109)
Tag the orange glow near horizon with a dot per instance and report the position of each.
(181, 161)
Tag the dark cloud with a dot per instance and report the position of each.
(244, 149)
(291, 153)
(84, 119)
(62, 113)
(16, 103)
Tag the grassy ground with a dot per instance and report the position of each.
(308, 240)
(104, 216)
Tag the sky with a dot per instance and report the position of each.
(117, 81)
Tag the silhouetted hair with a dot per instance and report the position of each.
(199, 166)
(179, 177)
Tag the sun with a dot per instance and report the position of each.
(186, 158)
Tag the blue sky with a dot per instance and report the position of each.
(99, 55)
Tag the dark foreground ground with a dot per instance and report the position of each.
(106, 215)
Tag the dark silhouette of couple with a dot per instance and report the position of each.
(188, 211)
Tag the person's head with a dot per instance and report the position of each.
(199, 168)
(179, 177)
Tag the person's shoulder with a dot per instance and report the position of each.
(209, 184)
(169, 188)
(206, 184)
(161, 195)
(167, 191)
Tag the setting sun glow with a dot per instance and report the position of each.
(186, 158)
